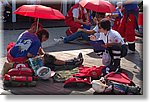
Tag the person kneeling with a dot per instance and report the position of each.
(114, 44)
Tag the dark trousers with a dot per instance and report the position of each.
(115, 53)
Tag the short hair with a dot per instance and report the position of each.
(100, 15)
(41, 33)
(105, 24)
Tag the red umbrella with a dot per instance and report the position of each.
(39, 11)
(98, 5)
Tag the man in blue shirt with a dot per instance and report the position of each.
(27, 46)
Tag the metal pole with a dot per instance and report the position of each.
(64, 8)
(13, 9)
(38, 20)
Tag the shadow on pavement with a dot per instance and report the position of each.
(42, 88)
(67, 47)
(135, 58)
(93, 54)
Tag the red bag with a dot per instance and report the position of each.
(77, 82)
(18, 78)
(20, 72)
(84, 76)
(20, 69)
(19, 81)
(20, 75)
(93, 72)
(121, 77)
(20, 65)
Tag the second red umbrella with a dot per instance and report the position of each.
(98, 5)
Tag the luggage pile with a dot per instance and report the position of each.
(116, 83)
(20, 75)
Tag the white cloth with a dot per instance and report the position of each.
(75, 12)
(113, 37)
(96, 29)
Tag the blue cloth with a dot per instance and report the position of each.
(97, 45)
(86, 27)
(75, 36)
(27, 43)
(132, 6)
(118, 12)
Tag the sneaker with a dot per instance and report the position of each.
(80, 56)
(79, 60)
(76, 61)
(59, 40)
(131, 52)
(62, 37)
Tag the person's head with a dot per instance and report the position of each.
(104, 25)
(43, 35)
(119, 4)
(35, 27)
(99, 16)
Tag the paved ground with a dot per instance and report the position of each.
(132, 63)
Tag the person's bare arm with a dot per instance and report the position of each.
(81, 22)
(41, 51)
(90, 32)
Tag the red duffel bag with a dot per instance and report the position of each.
(18, 78)
(20, 72)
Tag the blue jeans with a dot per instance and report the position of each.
(75, 36)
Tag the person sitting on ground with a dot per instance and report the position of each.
(83, 32)
(76, 17)
(113, 43)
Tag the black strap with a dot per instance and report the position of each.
(107, 37)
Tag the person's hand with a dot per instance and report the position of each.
(92, 37)
(95, 20)
(87, 23)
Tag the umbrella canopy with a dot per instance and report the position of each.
(98, 5)
(39, 11)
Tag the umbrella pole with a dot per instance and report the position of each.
(38, 20)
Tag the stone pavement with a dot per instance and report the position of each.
(132, 63)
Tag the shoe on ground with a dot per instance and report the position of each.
(80, 56)
(79, 60)
(76, 61)
(59, 40)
